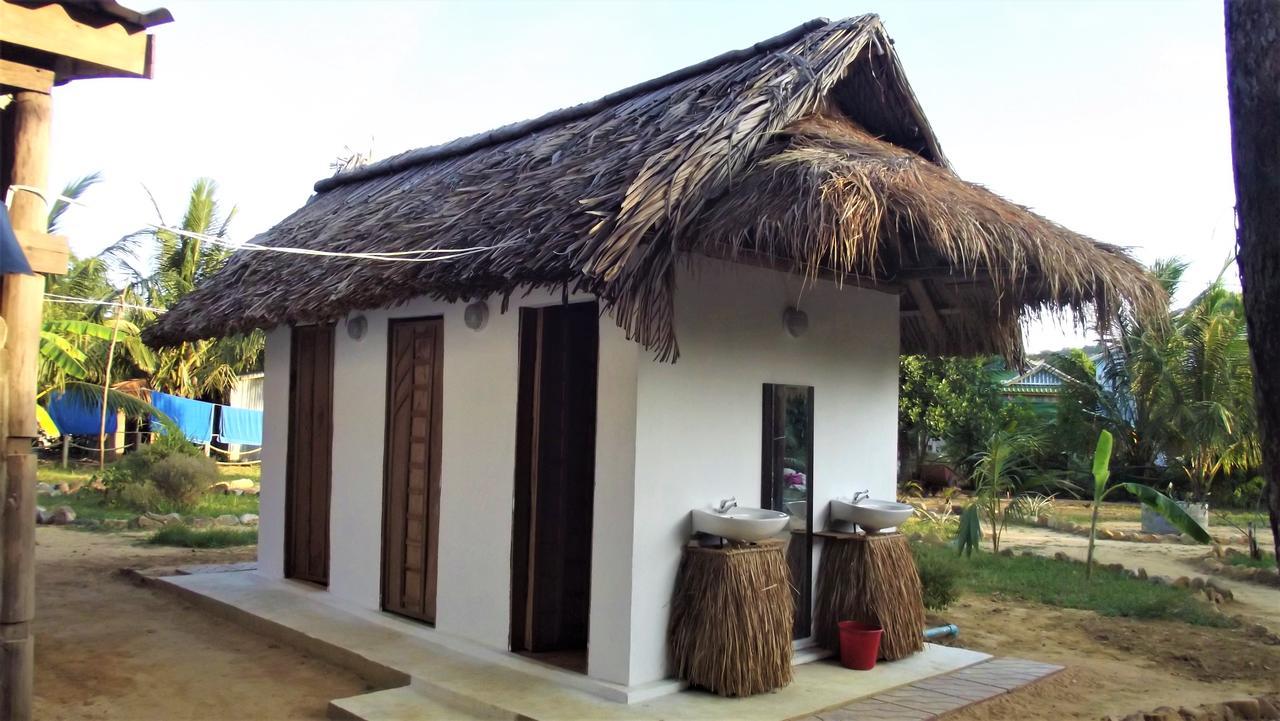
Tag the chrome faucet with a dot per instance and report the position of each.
(726, 504)
(860, 496)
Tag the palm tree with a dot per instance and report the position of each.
(1177, 390)
(1206, 406)
(181, 261)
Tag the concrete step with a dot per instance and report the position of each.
(407, 703)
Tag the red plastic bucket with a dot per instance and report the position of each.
(859, 645)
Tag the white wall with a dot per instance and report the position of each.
(669, 437)
(698, 421)
(477, 472)
(275, 440)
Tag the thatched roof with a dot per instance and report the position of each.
(807, 152)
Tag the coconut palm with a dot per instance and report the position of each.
(1177, 391)
(179, 262)
(1205, 404)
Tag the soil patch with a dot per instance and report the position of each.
(1114, 665)
(108, 649)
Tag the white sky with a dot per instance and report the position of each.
(1108, 117)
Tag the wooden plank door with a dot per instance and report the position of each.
(411, 504)
(308, 469)
(555, 478)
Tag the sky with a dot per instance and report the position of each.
(1107, 117)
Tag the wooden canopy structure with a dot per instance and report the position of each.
(807, 152)
(42, 44)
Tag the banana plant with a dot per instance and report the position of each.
(1150, 497)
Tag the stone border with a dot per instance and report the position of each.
(1107, 534)
(1214, 564)
(1265, 707)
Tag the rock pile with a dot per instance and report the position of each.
(1260, 708)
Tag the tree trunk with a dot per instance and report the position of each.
(1253, 91)
(106, 386)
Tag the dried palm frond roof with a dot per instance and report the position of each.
(807, 151)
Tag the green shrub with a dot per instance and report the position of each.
(938, 580)
(187, 537)
(183, 479)
(142, 496)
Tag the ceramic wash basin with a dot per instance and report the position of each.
(740, 524)
(871, 514)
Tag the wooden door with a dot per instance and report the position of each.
(308, 470)
(555, 478)
(411, 504)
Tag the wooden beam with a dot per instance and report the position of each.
(49, 254)
(51, 29)
(21, 302)
(931, 318)
(24, 77)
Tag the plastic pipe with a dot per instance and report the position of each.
(948, 630)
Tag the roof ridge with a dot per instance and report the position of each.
(505, 133)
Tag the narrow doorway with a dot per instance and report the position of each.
(308, 468)
(554, 484)
(411, 485)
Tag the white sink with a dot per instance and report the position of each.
(872, 515)
(740, 524)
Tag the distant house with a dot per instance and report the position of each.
(1040, 383)
(503, 426)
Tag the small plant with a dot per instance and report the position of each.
(187, 537)
(1150, 497)
(1029, 507)
(937, 581)
(183, 479)
(1001, 470)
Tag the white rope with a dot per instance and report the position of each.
(423, 255)
(73, 300)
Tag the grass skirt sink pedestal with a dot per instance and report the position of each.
(722, 595)
(872, 579)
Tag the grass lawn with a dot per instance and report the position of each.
(187, 537)
(1268, 560)
(52, 473)
(89, 504)
(1062, 583)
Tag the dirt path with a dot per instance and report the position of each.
(1255, 602)
(107, 649)
(1115, 666)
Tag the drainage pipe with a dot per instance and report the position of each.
(948, 630)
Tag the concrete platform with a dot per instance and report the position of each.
(430, 675)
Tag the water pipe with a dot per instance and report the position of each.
(948, 630)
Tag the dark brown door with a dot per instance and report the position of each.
(309, 468)
(555, 478)
(411, 505)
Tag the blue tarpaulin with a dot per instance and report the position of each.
(240, 425)
(195, 418)
(76, 415)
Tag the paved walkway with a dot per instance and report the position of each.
(933, 697)
(429, 675)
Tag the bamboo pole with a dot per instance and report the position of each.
(106, 385)
(21, 307)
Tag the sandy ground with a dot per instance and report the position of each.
(108, 649)
(1117, 665)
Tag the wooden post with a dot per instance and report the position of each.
(119, 441)
(66, 450)
(21, 308)
(106, 385)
